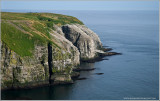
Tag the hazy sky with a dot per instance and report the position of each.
(80, 5)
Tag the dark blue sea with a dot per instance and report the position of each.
(132, 75)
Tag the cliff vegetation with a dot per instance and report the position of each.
(44, 49)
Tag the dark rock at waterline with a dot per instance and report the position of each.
(95, 59)
(99, 73)
(62, 83)
(80, 69)
(112, 53)
(27, 86)
(75, 75)
(105, 59)
(81, 78)
(92, 60)
(107, 49)
(99, 56)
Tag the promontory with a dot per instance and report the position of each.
(44, 48)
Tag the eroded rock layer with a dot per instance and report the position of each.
(42, 49)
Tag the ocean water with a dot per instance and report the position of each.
(132, 75)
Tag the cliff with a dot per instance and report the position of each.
(43, 48)
(83, 38)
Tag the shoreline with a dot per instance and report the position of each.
(74, 75)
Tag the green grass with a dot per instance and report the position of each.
(45, 17)
(43, 29)
(16, 26)
(16, 40)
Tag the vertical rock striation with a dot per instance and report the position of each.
(19, 72)
(84, 39)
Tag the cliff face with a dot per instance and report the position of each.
(42, 50)
(47, 64)
(84, 39)
(17, 71)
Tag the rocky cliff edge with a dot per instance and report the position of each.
(43, 48)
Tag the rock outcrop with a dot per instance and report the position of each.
(19, 72)
(84, 39)
(54, 56)
(24, 72)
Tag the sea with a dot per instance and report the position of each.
(134, 75)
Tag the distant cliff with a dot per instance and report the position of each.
(43, 48)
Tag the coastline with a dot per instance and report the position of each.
(74, 75)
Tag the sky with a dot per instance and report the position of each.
(80, 5)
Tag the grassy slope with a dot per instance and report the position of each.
(20, 31)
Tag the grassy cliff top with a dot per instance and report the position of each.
(45, 18)
(21, 31)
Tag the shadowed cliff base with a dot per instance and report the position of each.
(80, 69)
(100, 56)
